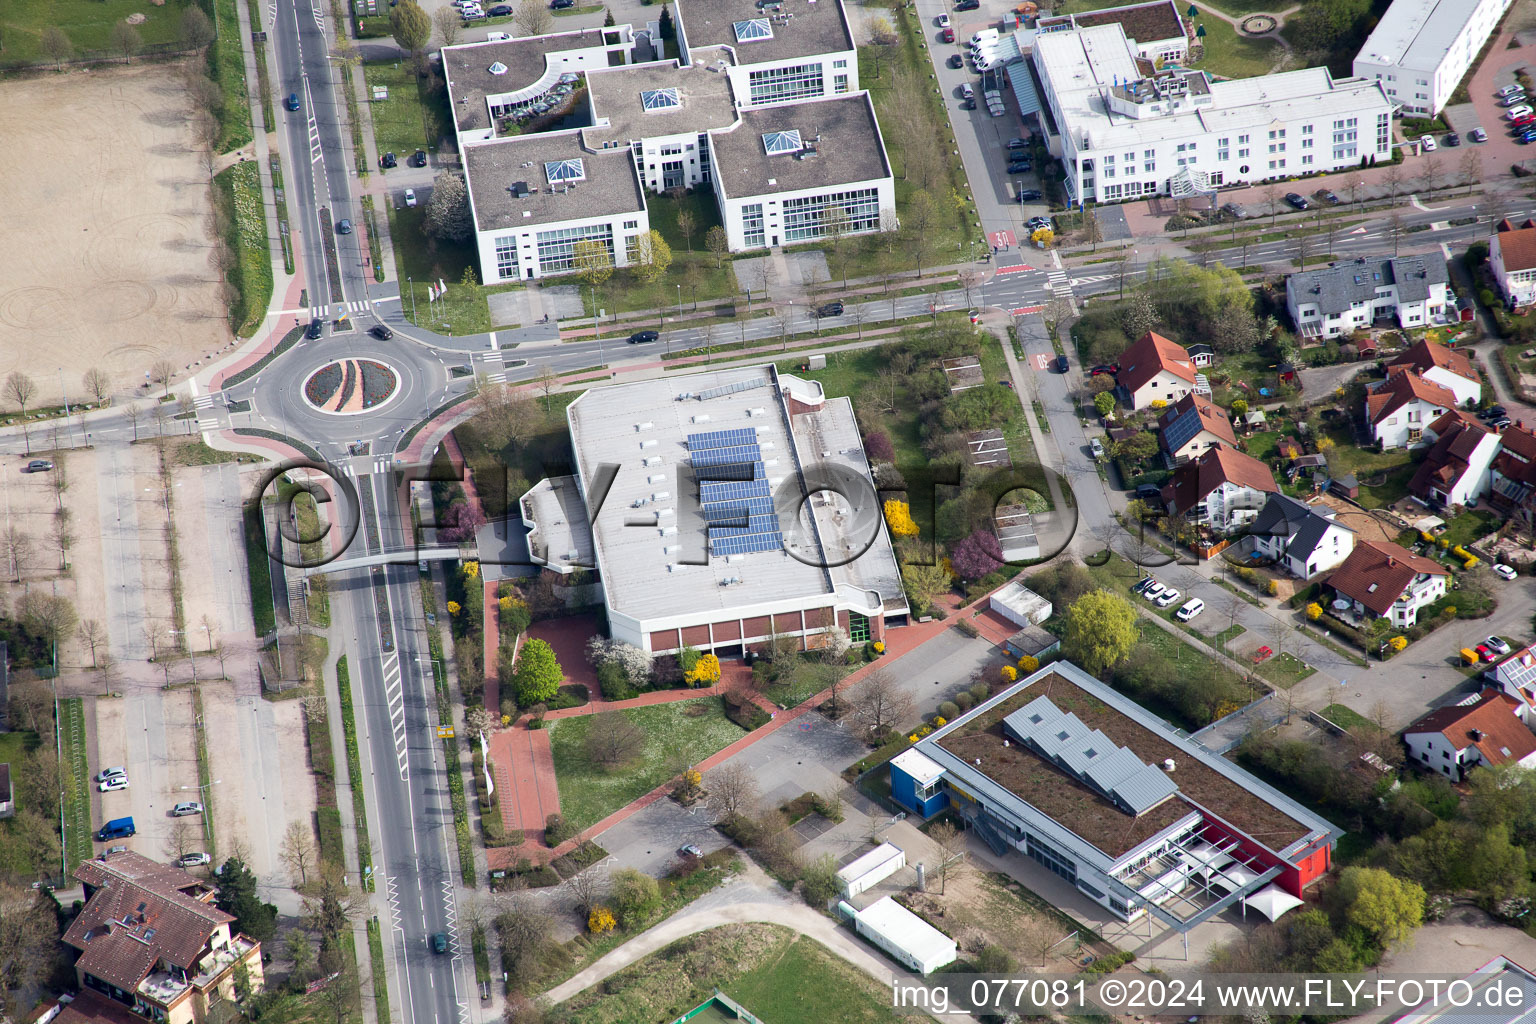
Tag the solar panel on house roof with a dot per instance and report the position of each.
(721, 438)
(746, 453)
(732, 490)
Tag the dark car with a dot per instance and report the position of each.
(388, 160)
(1453, 139)
(439, 942)
(1493, 412)
(1327, 195)
(643, 337)
(37, 466)
(968, 5)
(500, 11)
(1019, 167)
(314, 329)
(1030, 195)
(560, 5)
(955, 61)
(830, 309)
(292, 102)
(1297, 200)
(1501, 423)
(381, 331)
(1062, 366)
(418, 158)
(969, 104)
(343, 227)
(1148, 492)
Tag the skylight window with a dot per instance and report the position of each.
(558, 171)
(782, 142)
(654, 100)
(497, 68)
(753, 31)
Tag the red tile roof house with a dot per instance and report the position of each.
(1191, 425)
(152, 942)
(1457, 469)
(1384, 580)
(1154, 369)
(1400, 407)
(1484, 730)
(1512, 482)
(1222, 489)
(1512, 257)
(1447, 367)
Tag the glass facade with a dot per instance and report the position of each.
(752, 225)
(776, 85)
(858, 628)
(807, 217)
(506, 257)
(557, 248)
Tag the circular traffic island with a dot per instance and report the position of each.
(350, 386)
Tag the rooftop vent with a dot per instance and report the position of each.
(647, 425)
(497, 68)
(519, 189)
(1476, 735)
(1168, 764)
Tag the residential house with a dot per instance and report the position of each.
(151, 940)
(1302, 539)
(1400, 408)
(1191, 425)
(1384, 580)
(1447, 367)
(1512, 258)
(1483, 730)
(1515, 675)
(1458, 467)
(1512, 480)
(1201, 354)
(1222, 489)
(1341, 298)
(1154, 369)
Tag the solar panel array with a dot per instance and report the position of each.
(714, 491)
(722, 439)
(731, 389)
(737, 510)
(745, 453)
(740, 511)
(1090, 756)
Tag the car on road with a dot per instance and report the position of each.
(955, 61)
(113, 784)
(561, 5)
(343, 227)
(689, 850)
(1500, 424)
(185, 808)
(388, 161)
(1297, 200)
(1513, 99)
(942, 21)
(1453, 140)
(313, 331)
(1505, 571)
(37, 466)
(1030, 195)
(643, 337)
(1062, 366)
(1478, 135)
(381, 331)
(500, 11)
(1427, 143)
(1096, 447)
(1497, 645)
(1328, 196)
(1019, 167)
(1517, 112)
(1154, 591)
(1234, 211)
(292, 102)
(418, 158)
(192, 860)
(1167, 598)
(829, 309)
(1194, 606)
(439, 940)
(410, 197)
(948, 36)
(968, 5)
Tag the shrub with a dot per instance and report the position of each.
(556, 830)
(1398, 643)
(1009, 673)
(1314, 611)
(963, 701)
(1029, 663)
(614, 681)
(949, 709)
(981, 691)
(1272, 588)
(600, 921)
(819, 883)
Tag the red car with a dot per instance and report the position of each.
(948, 35)
(1521, 122)
(1485, 652)
(1262, 654)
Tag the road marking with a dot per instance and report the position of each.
(1024, 310)
(394, 692)
(1079, 282)
(1017, 268)
(495, 346)
(1040, 360)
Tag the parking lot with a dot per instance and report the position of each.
(149, 732)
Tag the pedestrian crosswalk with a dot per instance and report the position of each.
(1056, 280)
(207, 415)
(316, 151)
(1080, 282)
(381, 464)
(342, 309)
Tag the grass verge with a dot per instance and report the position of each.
(1345, 718)
(380, 980)
(226, 66)
(239, 191)
(461, 834)
(75, 779)
(259, 569)
(204, 773)
(1284, 670)
(355, 776)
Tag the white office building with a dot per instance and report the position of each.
(1125, 130)
(1420, 49)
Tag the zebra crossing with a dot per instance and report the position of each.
(205, 407)
(1057, 281)
(343, 308)
(381, 464)
(1080, 282)
(316, 151)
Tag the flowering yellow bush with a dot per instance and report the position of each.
(1314, 611)
(1449, 611)
(1470, 563)
(879, 646)
(912, 738)
(1156, 404)
(1009, 673)
(1398, 643)
(1444, 543)
(939, 720)
(705, 672)
(1272, 588)
(1428, 538)
(898, 516)
(692, 778)
(1028, 663)
(471, 570)
(454, 607)
(1461, 552)
(600, 921)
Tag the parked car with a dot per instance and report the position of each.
(120, 848)
(1019, 167)
(113, 784)
(418, 158)
(1510, 90)
(1521, 122)
(185, 808)
(1497, 645)
(643, 337)
(388, 160)
(1453, 140)
(1095, 371)
(829, 309)
(313, 331)
(1194, 606)
(1427, 143)
(1528, 136)
(955, 61)
(561, 5)
(1483, 653)
(1146, 581)
(1154, 591)
(381, 331)
(37, 466)
(689, 850)
(1234, 211)
(967, 5)
(1096, 447)
(1514, 99)
(1148, 492)
(343, 227)
(942, 21)
(1030, 195)
(1517, 112)
(1036, 223)
(439, 940)
(192, 860)
(500, 11)
(107, 773)
(1297, 200)
(1501, 423)
(1478, 135)
(410, 197)
(1505, 571)
(1327, 195)
(1167, 598)
(1062, 366)
(1493, 412)
(292, 102)
(1017, 143)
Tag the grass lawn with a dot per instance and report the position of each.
(1233, 55)
(259, 568)
(1284, 670)
(808, 679)
(673, 737)
(1227, 635)
(239, 190)
(418, 264)
(226, 62)
(1263, 444)
(1470, 526)
(75, 781)
(88, 24)
(770, 971)
(409, 120)
(1343, 717)
(1383, 476)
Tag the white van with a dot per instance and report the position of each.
(497, 37)
(1194, 606)
(966, 92)
(986, 35)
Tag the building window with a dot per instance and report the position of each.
(1053, 860)
(557, 248)
(809, 216)
(858, 628)
(776, 85)
(839, 83)
(752, 225)
(506, 257)
(839, 63)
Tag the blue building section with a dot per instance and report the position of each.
(915, 783)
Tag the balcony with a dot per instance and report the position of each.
(211, 967)
(163, 987)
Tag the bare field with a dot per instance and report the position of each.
(106, 234)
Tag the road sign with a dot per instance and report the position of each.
(445, 732)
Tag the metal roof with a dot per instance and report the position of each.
(1090, 756)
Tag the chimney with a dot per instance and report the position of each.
(1476, 735)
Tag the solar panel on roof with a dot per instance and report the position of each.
(733, 388)
(758, 522)
(737, 510)
(748, 544)
(733, 471)
(721, 438)
(724, 456)
(732, 490)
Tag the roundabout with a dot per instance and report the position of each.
(347, 387)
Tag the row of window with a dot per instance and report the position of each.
(813, 216)
(778, 85)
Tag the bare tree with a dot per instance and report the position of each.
(732, 790)
(1393, 176)
(184, 838)
(969, 279)
(448, 23)
(507, 414)
(1354, 185)
(157, 413)
(1397, 224)
(210, 630)
(783, 319)
(21, 389)
(1303, 248)
(587, 889)
(55, 45)
(126, 40)
(93, 635)
(532, 18)
(1429, 172)
(98, 384)
(162, 372)
(549, 382)
(63, 536)
(859, 315)
(1271, 194)
(612, 740)
(298, 852)
(18, 550)
(951, 843)
(1471, 168)
(880, 704)
(134, 412)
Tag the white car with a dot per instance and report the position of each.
(113, 784)
(1510, 90)
(410, 197)
(1427, 143)
(192, 860)
(1167, 598)
(1154, 591)
(107, 773)
(1497, 645)
(1194, 606)
(1516, 113)
(1506, 571)
(942, 21)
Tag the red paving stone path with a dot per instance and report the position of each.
(897, 643)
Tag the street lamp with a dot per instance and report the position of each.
(679, 302)
(207, 818)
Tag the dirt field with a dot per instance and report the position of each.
(107, 212)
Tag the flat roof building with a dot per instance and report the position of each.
(704, 535)
(1420, 49)
(1064, 770)
(905, 936)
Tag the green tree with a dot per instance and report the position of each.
(237, 895)
(1138, 446)
(55, 45)
(664, 25)
(718, 243)
(634, 895)
(652, 256)
(447, 216)
(1100, 631)
(538, 675)
(1239, 407)
(608, 21)
(593, 263)
(1104, 402)
(923, 583)
(1384, 905)
(411, 26)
